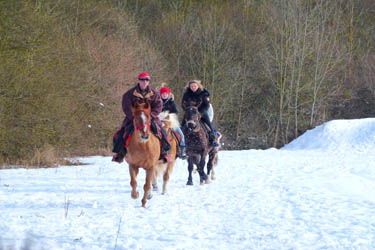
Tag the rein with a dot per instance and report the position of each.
(196, 121)
(142, 127)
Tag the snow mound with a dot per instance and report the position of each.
(338, 135)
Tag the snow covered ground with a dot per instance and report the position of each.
(318, 192)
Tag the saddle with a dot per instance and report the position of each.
(121, 140)
(207, 130)
(122, 137)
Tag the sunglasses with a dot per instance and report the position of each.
(144, 79)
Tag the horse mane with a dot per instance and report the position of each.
(171, 117)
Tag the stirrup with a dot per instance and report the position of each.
(166, 158)
(182, 153)
(118, 158)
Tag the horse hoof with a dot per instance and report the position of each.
(189, 183)
(202, 183)
(149, 196)
(135, 195)
(208, 180)
(154, 187)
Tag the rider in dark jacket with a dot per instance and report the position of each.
(196, 94)
(142, 92)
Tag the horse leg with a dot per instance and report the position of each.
(210, 169)
(190, 169)
(147, 188)
(166, 176)
(155, 182)
(202, 174)
(133, 181)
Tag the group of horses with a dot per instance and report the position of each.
(143, 150)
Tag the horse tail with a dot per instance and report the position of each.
(160, 168)
(216, 159)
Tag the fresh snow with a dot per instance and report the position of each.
(318, 192)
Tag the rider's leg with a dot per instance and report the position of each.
(166, 146)
(119, 143)
(206, 120)
(182, 144)
(183, 123)
(182, 154)
(118, 140)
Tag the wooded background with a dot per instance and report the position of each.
(274, 68)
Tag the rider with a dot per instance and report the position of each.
(196, 93)
(170, 105)
(142, 92)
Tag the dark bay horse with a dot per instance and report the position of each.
(143, 150)
(170, 122)
(198, 147)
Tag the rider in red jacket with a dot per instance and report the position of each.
(170, 106)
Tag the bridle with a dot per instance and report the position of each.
(144, 123)
(194, 119)
(144, 126)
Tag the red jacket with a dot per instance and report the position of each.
(135, 94)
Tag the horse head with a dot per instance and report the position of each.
(142, 120)
(192, 117)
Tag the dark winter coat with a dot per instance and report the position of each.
(170, 105)
(199, 97)
(136, 94)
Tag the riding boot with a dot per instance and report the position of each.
(182, 152)
(117, 157)
(119, 144)
(212, 132)
(183, 122)
(165, 146)
(118, 140)
(213, 141)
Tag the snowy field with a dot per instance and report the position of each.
(318, 192)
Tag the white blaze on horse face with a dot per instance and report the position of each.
(144, 136)
(144, 120)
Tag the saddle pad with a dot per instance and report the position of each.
(177, 136)
(127, 140)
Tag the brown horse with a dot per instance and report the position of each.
(143, 150)
(198, 147)
(170, 122)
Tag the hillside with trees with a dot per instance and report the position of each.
(274, 68)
